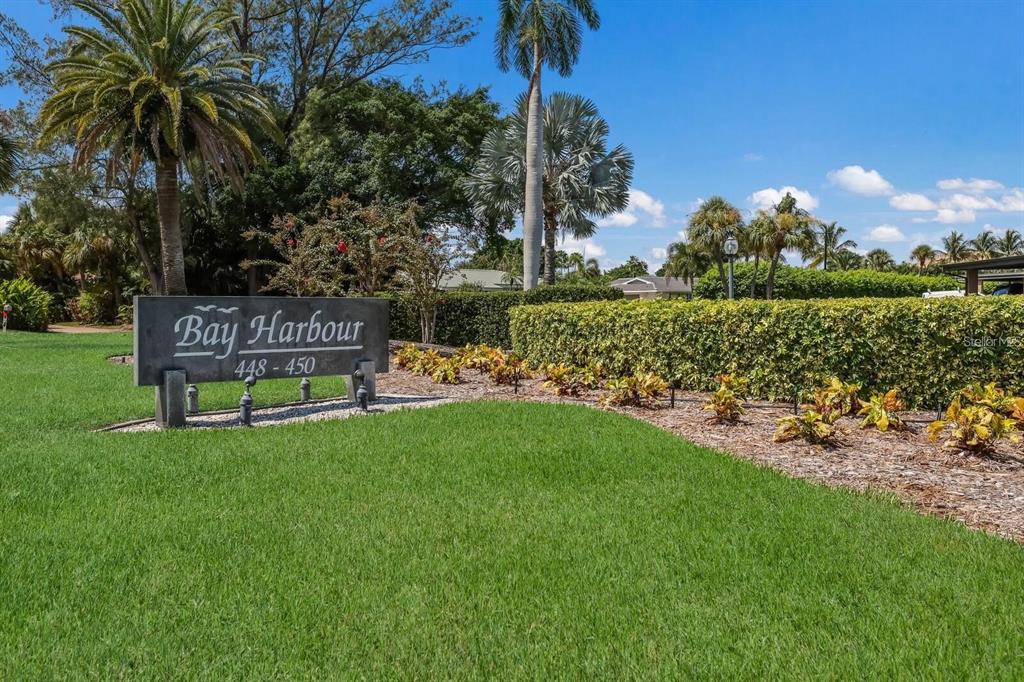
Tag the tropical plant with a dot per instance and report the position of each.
(309, 258)
(563, 380)
(686, 262)
(1010, 244)
(956, 247)
(445, 371)
(30, 305)
(880, 260)
(836, 398)
(533, 34)
(985, 245)
(924, 255)
(508, 369)
(829, 241)
(714, 221)
(787, 226)
(406, 355)
(727, 401)
(882, 411)
(848, 260)
(974, 427)
(581, 178)
(639, 390)
(158, 81)
(10, 157)
(810, 425)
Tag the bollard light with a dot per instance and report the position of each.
(304, 391)
(192, 399)
(245, 404)
(363, 397)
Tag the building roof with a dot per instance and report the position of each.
(486, 279)
(987, 264)
(651, 283)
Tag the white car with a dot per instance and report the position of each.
(943, 294)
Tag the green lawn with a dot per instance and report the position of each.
(486, 540)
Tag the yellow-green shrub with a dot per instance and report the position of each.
(929, 348)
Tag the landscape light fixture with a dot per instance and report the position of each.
(731, 248)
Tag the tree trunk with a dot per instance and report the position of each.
(753, 279)
(152, 271)
(168, 203)
(721, 274)
(533, 214)
(550, 232)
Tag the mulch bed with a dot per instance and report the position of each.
(985, 493)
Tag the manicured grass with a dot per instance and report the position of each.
(485, 540)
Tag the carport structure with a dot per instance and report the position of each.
(1004, 269)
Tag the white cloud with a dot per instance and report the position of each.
(768, 197)
(972, 185)
(886, 233)
(949, 216)
(640, 202)
(5, 222)
(588, 247)
(751, 156)
(1014, 201)
(659, 254)
(912, 202)
(856, 179)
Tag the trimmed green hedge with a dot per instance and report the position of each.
(801, 283)
(31, 305)
(482, 317)
(928, 348)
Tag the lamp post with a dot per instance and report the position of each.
(731, 248)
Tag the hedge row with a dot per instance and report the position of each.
(31, 305)
(802, 283)
(928, 348)
(482, 317)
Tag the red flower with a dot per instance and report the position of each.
(429, 237)
(342, 246)
(381, 240)
(291, 243)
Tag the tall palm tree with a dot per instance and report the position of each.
(10, 157)
(924, 255)
(829, 240)
(159, 81)
(714, 221)
(686, 261)
(787, 226)
(533, 34)
(582, 178)
(879, 259)
(577, 262)
(1011, 244)
(956, 247)
(985, 245)
(848, 260)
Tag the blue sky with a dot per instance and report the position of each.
(900, 120)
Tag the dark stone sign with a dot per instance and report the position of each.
(230, 338)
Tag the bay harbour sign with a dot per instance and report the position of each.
(183, 340)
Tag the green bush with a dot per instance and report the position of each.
(928, 348)
(31, 305)
(482, 317)
(801, 283)
(93, 308)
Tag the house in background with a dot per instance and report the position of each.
(652, 286)
(485, 280)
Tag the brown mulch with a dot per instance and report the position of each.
(983, 492)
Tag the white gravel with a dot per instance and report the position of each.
(321, 410)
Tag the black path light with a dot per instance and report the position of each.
(731, 248)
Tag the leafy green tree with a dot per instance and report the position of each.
(848, 260)
(956, 247)
(533, 34)
(1011, 244)
(879, 259)
(714, 221)
(582, 178)
(686, 262)
(786, 226)
(633, 267)
(985, 245)
(829, 240)
(923, 255)
(158, 82)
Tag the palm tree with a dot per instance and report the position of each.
(786, 227)
(577, 262)
(956, 247)
(1011, 244)
(985, 245)
(159, 82)
(879, 259)
(828, 241)
(924, 255)
(582, 179)
(10, 157)
(686, 262)
(848, 260)
(533, 34)
(714, 221)
(593, 268)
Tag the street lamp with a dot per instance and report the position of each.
(731, 248)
